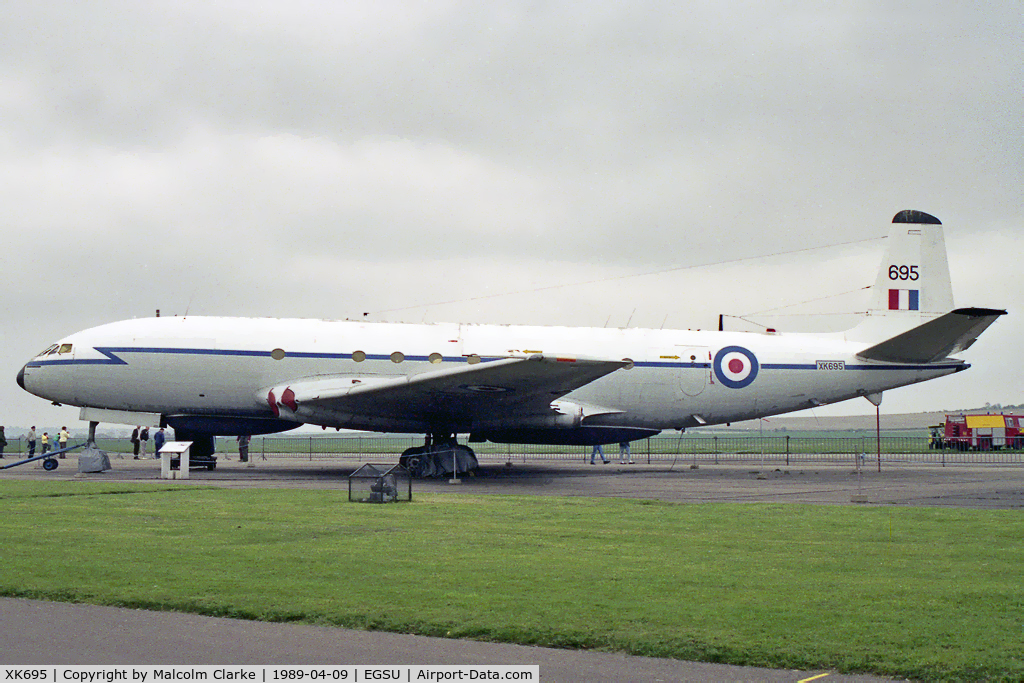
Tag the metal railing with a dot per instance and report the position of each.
(696, 449)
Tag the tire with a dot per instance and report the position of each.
(410, 458)
(50, 464)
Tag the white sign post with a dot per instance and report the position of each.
(170, 449)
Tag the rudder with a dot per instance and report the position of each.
(913, 284)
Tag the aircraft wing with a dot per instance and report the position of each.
(935, 339)
(486, 390)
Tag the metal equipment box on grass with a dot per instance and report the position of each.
(380, 484)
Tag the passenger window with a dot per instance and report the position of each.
(65, 348)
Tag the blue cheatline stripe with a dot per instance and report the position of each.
(113, 351)
(310, 354)
(948, 366)
(669, 364)
(850, 366)
(41, 363)
(112, 358)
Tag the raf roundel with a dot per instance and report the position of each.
(735, 367)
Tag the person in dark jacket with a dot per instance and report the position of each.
(158, 442)
(3, 442)
(135, 442)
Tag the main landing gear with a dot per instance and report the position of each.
(439, 456)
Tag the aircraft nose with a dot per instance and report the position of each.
(21, 377)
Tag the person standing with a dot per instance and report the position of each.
(158, 442)
(31, 441)
(3, 442)
(135, 442)
(46, 442)
(624, 454)
(143, 441)
(598, 450)
(62, 439)
(243, 447)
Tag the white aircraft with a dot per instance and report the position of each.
(207, 376)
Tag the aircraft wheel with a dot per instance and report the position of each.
(424, 467)
(50, 464)
(410, 458)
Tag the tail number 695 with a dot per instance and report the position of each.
(903, 273)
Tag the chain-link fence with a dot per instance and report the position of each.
(697, 449)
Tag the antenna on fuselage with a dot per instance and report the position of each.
(721, 322)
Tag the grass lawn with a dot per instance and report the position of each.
(924, 593)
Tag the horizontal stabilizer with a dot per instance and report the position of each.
(935, 339)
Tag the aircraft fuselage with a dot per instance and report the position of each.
(674, 378)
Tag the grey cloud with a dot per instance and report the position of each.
(328, 158)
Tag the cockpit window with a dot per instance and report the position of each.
(48, 350)
(64, 348)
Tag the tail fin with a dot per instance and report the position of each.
(913, 284)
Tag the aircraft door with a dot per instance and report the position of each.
(683, 370)
(693, 371)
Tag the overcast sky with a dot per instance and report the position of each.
(315, 159)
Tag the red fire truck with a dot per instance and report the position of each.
(978, 432)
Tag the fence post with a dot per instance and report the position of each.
(787, 450)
